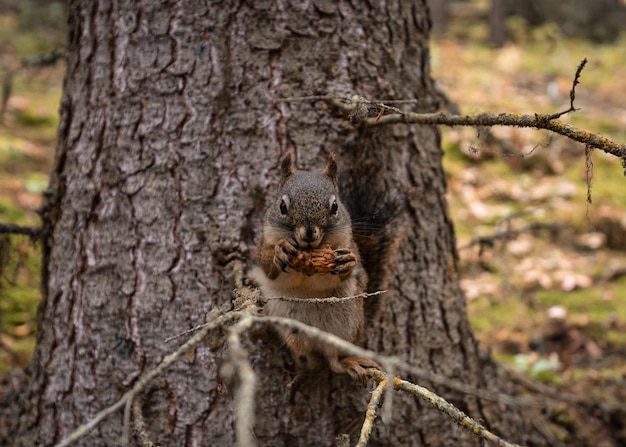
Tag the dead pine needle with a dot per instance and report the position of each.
(588, 172)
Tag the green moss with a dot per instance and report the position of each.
(30, 119)
(36, 182)
(39, 119)
(9, 212)
(20, 295)
(454, 160)
(19, 303)
(487, 316)
(587, 305)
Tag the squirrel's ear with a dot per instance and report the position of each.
(286, 166)
(331, 168)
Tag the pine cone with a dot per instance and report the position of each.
(315, 261)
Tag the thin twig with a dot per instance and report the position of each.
(41, 60)
(306, 98)
(370, 415)
(572, 92)
(187, 332)
(148, 377)
(329, 300)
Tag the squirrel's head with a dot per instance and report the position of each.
(308, 208)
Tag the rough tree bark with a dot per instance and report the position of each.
(169, 141)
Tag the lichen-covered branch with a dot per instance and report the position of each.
(370, 414)
(537, 121)
(244, 396)
(362, 111)
(247, 316)
(139, 425)
(445, 407)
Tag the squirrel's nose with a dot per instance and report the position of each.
(311, 234)
(308, 235)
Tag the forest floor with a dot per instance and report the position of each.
(544, 270)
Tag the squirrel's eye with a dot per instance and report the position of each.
(334, 208)
(283, 208)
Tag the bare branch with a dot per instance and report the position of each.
(330, 300)
(548, 392)
(244, 396)
(42, 60)
(187, 332)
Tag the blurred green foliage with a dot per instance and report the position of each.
(27, 139)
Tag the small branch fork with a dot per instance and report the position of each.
(572, 92)
(240, 320)
(362, 111)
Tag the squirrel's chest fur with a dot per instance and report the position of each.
(343, 320)
(295, 284)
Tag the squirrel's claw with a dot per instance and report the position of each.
(355, 367)
(283, 253)
(345, 261)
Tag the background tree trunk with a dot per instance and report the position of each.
(169, 141)
(497, 24)
(439, 12)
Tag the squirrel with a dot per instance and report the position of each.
(312, 247)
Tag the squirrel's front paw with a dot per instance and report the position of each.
(345, 261)
(284, 253)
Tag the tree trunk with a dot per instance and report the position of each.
(169, 142)
(497, 24)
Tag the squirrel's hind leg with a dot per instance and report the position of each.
(355, 367)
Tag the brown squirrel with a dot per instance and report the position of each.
(309, 250)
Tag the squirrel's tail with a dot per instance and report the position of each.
(375, 215)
